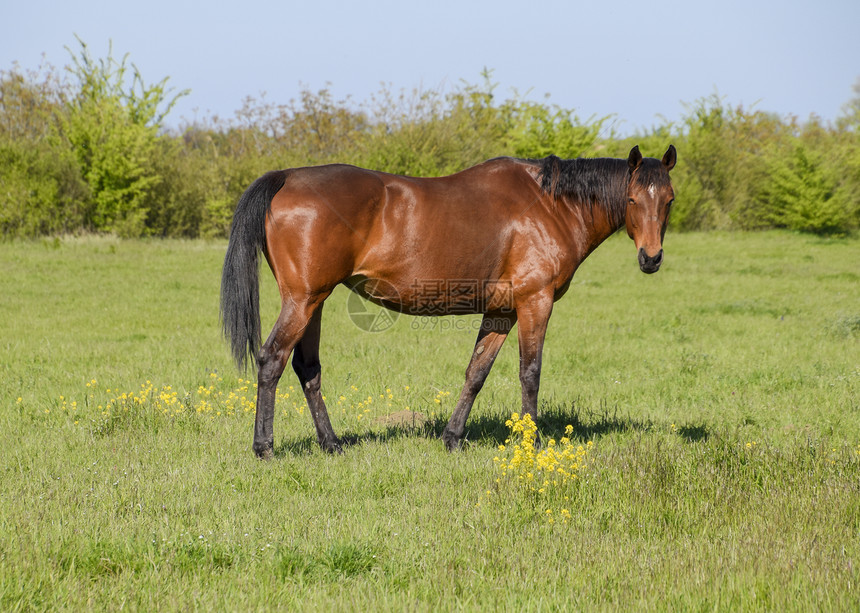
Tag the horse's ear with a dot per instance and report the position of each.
(635, 158)
(670, 157)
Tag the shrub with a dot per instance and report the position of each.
(113, 128)
(93, 154)
(539, 131)
(801, 193)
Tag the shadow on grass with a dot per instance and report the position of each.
(431, 428)
(552, 420)
(694, 434)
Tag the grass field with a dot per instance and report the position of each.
(721, 398)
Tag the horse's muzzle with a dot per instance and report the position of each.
(650, 264)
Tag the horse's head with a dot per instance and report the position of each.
(649, 198)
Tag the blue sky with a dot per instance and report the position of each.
(639, 61)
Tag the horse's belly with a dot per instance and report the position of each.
(431, 296)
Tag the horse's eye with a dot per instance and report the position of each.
(671, 202)
(631, 202)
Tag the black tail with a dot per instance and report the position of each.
(240, 293)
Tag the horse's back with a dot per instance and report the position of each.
(347, 182)
(355, 195)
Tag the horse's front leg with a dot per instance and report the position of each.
(494, 331)
(532, 317)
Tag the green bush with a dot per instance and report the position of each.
(113, 127)
(538, 131)
(41, 188)
(802, 193)
(41, 191)
(92, 154)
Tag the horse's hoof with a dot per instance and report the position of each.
(452, 442)
(264, 452)
(332, 447)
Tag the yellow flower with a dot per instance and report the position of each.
(552, 466)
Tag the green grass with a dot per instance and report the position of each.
(721, 396)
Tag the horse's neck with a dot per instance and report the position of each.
(593, 223)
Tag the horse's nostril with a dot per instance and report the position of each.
(648, 263)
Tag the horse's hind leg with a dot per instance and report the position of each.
(306, 363)
(288, 331)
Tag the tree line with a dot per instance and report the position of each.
(87, 150)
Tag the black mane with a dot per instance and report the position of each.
(600, 182)
(652, 172)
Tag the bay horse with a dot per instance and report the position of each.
(502, 239)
